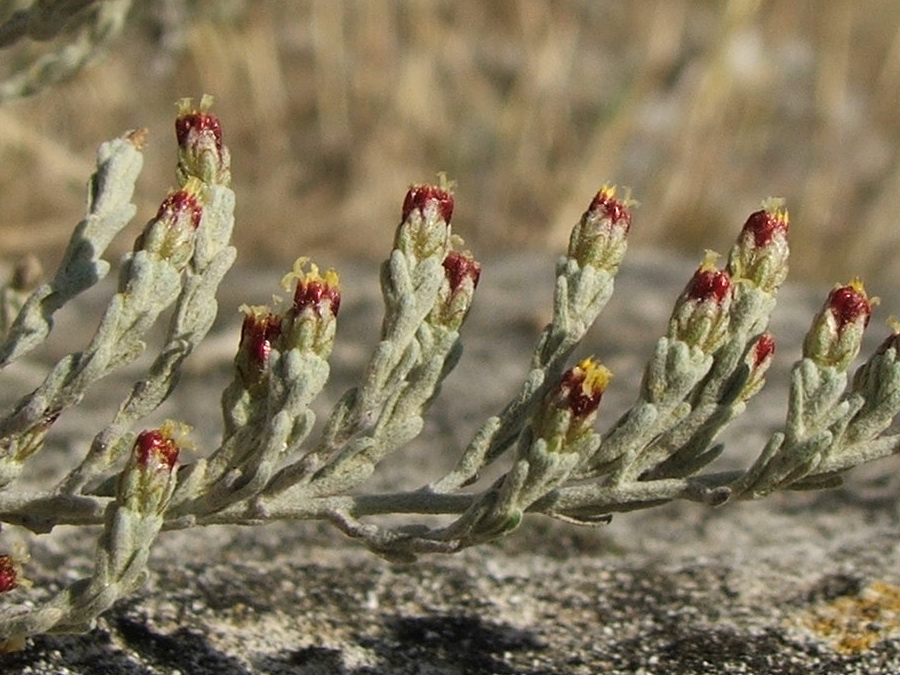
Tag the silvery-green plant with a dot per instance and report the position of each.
(77, 29)
(711, 361)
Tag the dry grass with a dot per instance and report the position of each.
(332, 107)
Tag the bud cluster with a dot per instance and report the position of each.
(308, 324)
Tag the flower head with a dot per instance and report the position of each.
(700, 317)
(567, 413)
(313, 292)
(461, 268)
(184, 205)
(867, 373)
(148, 480)
(850, 305)
(462, 273)
(259, 332)
(836, 333)
(600, 237)
(758, 358)
(172, 232)
(582, 387)
(201, 152)
(310, 322)
(761, 351)
(761, 251)
(892, 341)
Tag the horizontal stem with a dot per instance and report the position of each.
(40, 513)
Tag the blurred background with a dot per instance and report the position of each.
(332, 108)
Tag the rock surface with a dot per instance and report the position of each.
(797, 583)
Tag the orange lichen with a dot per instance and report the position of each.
(855, 623)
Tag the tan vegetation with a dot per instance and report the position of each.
(334, 106)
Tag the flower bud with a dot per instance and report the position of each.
(462, 272)
(600, 237)
(260, 329)
(148, 480)
(172, 232)
(568, 412)
(201, 152)
(758, 359)
(311, 320)
(700, 317)
(424, 229)
(760, 254)
(836, 333)
(892, 341)
(761, 351)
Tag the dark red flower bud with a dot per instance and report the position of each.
(462, 272)
(837, 330)
(849, 304)
(195, 123)
(701, 315)
(310, 322)
(763, 350)
(765, 225)
(171, 234)
(758, 359)
(760, 254)
(566, 414)
(180, 204)
(201, 152)
(146, 484)
(709, 284)
(600, 238)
